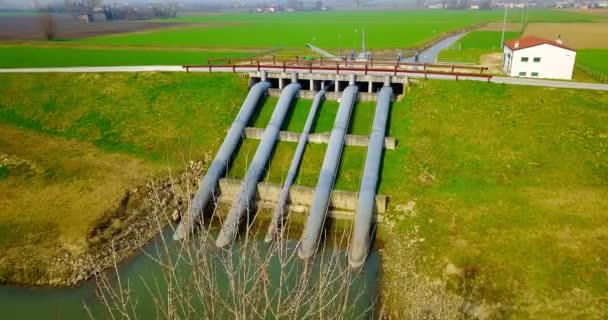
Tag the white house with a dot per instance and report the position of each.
(536, 57)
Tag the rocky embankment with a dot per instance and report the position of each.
(141, 214)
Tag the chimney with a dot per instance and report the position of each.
(516, 44)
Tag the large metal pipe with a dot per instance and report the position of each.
(207, 185)
(360, 240)
(318, 210)
(247, 191)
(279, 212)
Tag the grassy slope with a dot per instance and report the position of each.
(594, 58)
(509, 182)
(510, 185)
(471, 47)
(33, 56)
(74, 143)
(385, 29)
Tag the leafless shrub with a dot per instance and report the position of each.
(251, 280)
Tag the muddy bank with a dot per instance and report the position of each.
(139, 216)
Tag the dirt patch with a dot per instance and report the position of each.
(493, 61)
(497, 26)
(592, 35)
(28, 27)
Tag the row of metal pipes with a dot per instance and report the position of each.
(245, 199)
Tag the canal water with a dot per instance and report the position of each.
(142, 270)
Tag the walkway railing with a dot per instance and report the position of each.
(346, 63)
(407, 69)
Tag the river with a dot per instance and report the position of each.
(68, 303)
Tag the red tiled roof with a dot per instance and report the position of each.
(532, 41)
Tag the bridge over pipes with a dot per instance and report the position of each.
(318, 202)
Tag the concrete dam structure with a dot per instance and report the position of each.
(249, 193)
(246, 194)
(327, 177)
(207, 186)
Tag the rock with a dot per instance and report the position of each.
(408, 208)
(452, 269)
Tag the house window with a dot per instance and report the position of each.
(534, 74)
(522, 74)
(524, 59)
(537, 59)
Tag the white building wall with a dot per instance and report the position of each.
(507, 60)
(555, 63)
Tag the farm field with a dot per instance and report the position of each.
(593, 12)
(44, 56)
(576, 35)
(26, 26)
(594, 59)
(474, 45)
(384, 29)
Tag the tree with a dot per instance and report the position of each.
(82, 7)
(48, 26)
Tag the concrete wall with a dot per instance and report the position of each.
(390, 143)
(556, 63)
(343, 204)
(311, 83)
(334, 96)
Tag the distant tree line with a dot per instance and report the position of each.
(87, 10)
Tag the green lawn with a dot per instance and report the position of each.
(155, 116)
(596, 59)
(510, 185)
(385, 29)
(37, 56)
(471, 47)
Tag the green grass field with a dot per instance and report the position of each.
(385, 29)
(595, 59)
(234, 34)
(18, 13)
(36, 56)
(471, 47)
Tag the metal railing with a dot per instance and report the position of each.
(346, 67)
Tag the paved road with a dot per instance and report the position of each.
(550, 83)
(95, 69)
(505, 80)
(430, 55)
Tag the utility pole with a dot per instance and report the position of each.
(339, 45)
(363, 40)
(504, 26)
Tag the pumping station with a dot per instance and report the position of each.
(331, 79)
